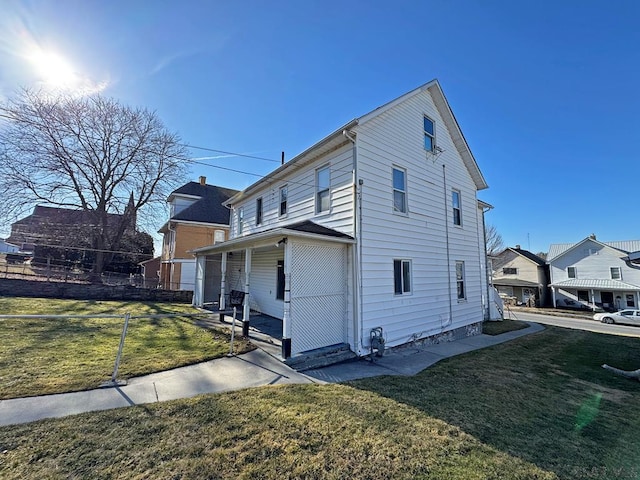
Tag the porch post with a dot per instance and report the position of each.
(198, 288)
(638, 299)
(223, 281)
(246, 306)
(593, 299)
(286, 315)
(553, 293)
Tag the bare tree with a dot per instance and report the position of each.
(494, 240)
(89, 153)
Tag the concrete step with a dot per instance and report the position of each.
(321, 357)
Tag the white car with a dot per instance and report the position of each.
(631, 317)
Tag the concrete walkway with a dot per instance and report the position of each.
(253, 369)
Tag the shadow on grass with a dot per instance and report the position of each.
(543, 398)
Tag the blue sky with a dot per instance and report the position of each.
(545, 92)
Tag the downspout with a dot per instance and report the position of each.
(486, 265)
(357, 251)
(446, 220)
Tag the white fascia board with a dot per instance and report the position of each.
(186, 196)
(201, 224)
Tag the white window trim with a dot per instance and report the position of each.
(402, 262)
(454, 208)
(317, 190)
(619, 273)
(575, 272)
(463, 280)
(405, 191)
(286, 211)
(240, 220)
(427, 134)
(259, 211)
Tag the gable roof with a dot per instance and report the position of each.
(209, 208)
(528, 255)
(558, 249)
(338, 139)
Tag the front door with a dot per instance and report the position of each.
(607, 300)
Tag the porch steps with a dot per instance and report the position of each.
(321, 357)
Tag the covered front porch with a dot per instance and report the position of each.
(592, 294)
(296, 275)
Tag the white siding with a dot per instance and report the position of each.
(593, 265)
(263, 282)
(396, 138)
(301, 197)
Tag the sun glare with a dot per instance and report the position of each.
(54, 70)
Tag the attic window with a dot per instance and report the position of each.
(616, 274)
(429, 134)
(509, 271)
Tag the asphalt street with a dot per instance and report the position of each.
(575, 323)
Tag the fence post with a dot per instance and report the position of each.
(114, 382)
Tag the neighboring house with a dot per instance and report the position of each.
(522, 275)
(6, 247)
(197, 217)
(591, 274)
(65, 237)
(374, 229)
(150, 272)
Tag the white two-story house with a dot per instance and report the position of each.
(591, 274)
(374, 230)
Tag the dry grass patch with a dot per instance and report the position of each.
(288, 432)
(54, 355)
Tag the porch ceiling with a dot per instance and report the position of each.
(596, 284)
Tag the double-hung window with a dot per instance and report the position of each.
(402, 277)
(462, 294)
(259, 211)
(429, 134)
(323, 183)
(283, 200)
(616, 274)
(240, 219)
(572, 272)
(457, 209)
(399, 190)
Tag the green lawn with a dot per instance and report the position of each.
(504, 326)
(537, 407)
(42, 356)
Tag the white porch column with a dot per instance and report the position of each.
(638, 300)
(247, 273)
(198, 290)
(593, 299)
(223, 281)
(553, 293)
(286, 314)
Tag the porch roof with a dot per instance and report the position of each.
(596, 284)
(305, 229)
(515, 282)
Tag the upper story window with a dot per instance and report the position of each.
(616, 274)
(323, 183)
(457, 208)
(283, 201)
(240, 219)
(462, 294)
(399, 190)
(258, 211)
(429, 134)
(402, 277)
(218, 236)
(509, 271)
(572, 272)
